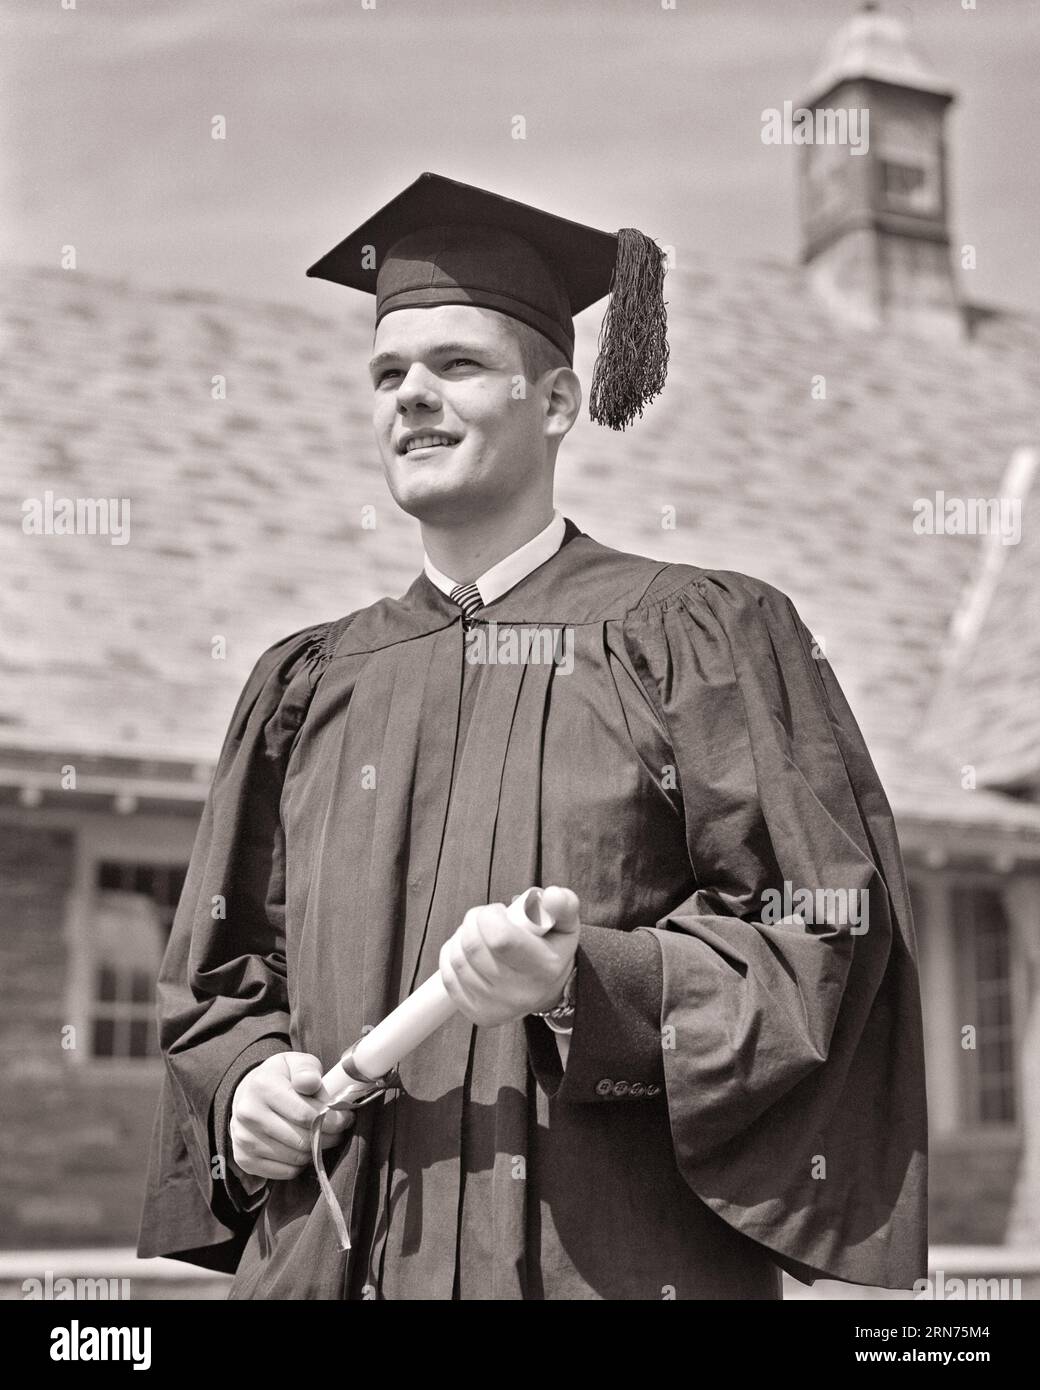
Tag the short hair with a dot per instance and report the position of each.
(537, 353)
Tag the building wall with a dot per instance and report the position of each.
(970, 1190)
(74, 1142)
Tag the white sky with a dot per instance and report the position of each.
(635, 115)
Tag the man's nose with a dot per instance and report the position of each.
(418, 390)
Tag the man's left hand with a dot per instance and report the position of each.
(496, 972)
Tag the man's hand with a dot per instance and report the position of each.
(271, 1113)
(496, 972)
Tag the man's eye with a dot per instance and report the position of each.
(386, 375)
(461, 362)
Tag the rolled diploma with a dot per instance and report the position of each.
(422, 1013)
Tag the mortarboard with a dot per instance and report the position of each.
(443, 242)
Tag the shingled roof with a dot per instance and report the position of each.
(986, 706)
(247, 513)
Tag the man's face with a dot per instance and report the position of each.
(455, 435)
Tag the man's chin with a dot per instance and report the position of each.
(434, 500)
(440, 509)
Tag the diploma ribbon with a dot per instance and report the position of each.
(364, 1091)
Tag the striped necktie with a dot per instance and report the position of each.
(467, 596)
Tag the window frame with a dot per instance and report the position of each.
(149, 840)
(968, 1088)
(123, 1010)
(945, 988)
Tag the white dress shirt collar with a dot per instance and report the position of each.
(500, 578)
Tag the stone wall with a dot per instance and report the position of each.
(74, 1140)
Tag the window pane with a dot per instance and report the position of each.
(107, 985)
(144, 880)
(987, 960)
(902, 179)
(103, 1038)
(141, 987)
(115, 875)
(994, 1008)
(168, 884)
(984, 936)
(996, 1105)
(140, 1035)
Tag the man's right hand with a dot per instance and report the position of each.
(271, 1113)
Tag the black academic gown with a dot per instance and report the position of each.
(741, 1094)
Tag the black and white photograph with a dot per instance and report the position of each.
(520, 681)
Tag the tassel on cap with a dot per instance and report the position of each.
(444, 242)
(633, 346)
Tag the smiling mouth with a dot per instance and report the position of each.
(433, 440)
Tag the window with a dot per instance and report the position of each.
(910, 183)
(134, 907)
(983, 936)
(906, 185)
(910, 161)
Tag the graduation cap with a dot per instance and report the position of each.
(443, 242)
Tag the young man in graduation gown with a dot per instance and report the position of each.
(683, 1089)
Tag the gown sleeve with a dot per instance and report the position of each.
(792, 1050)
(222, 998)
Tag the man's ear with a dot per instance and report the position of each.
(562, 401)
